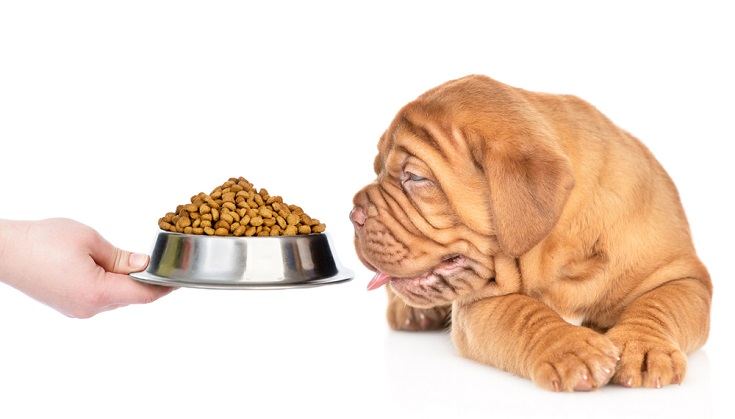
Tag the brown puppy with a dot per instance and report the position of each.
(519, 210)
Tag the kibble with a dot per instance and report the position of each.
(236, 208)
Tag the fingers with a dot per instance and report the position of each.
(115, 260)
(122, 290)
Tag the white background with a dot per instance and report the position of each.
(112, 113)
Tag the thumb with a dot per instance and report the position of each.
(115, 260)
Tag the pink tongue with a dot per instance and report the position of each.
(378, 281)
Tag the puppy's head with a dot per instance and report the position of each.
(469, 170)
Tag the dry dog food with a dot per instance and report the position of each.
(236, 209)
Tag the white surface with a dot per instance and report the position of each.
(113, 114)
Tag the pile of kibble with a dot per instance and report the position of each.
(236, 209)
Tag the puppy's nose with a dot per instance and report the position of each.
(357, 215)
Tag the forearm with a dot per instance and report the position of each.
(5, 227)
(505, 331)
(677, 311)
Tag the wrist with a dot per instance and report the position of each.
(12, 233)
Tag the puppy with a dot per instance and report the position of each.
(553, 239)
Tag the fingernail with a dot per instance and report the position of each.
(138, 260)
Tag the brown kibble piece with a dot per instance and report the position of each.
(292, 219)
(256, 221)
(281, 221)
(183, 222)
(303, 229)
(290, 231)
(222, 232)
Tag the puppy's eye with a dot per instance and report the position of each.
(414, 177)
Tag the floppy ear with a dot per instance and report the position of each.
(530, 180)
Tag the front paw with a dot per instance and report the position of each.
(404, 317)
(646, 360)
(575, 359)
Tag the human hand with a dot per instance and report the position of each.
(71, 268)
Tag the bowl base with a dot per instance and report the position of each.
(149, 278)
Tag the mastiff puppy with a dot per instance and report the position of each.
(553, 239)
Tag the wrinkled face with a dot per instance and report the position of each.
(469, 171)
(424, 225)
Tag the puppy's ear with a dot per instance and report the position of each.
(378, 162)
(529, 180)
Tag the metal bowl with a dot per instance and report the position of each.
(185, 260)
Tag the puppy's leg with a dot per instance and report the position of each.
(404, 317)
(524, 336)
(657, 329)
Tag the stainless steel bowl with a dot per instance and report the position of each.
(184, 260)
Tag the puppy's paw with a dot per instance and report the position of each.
(647, 361)
(404, 317)
(580, 360)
